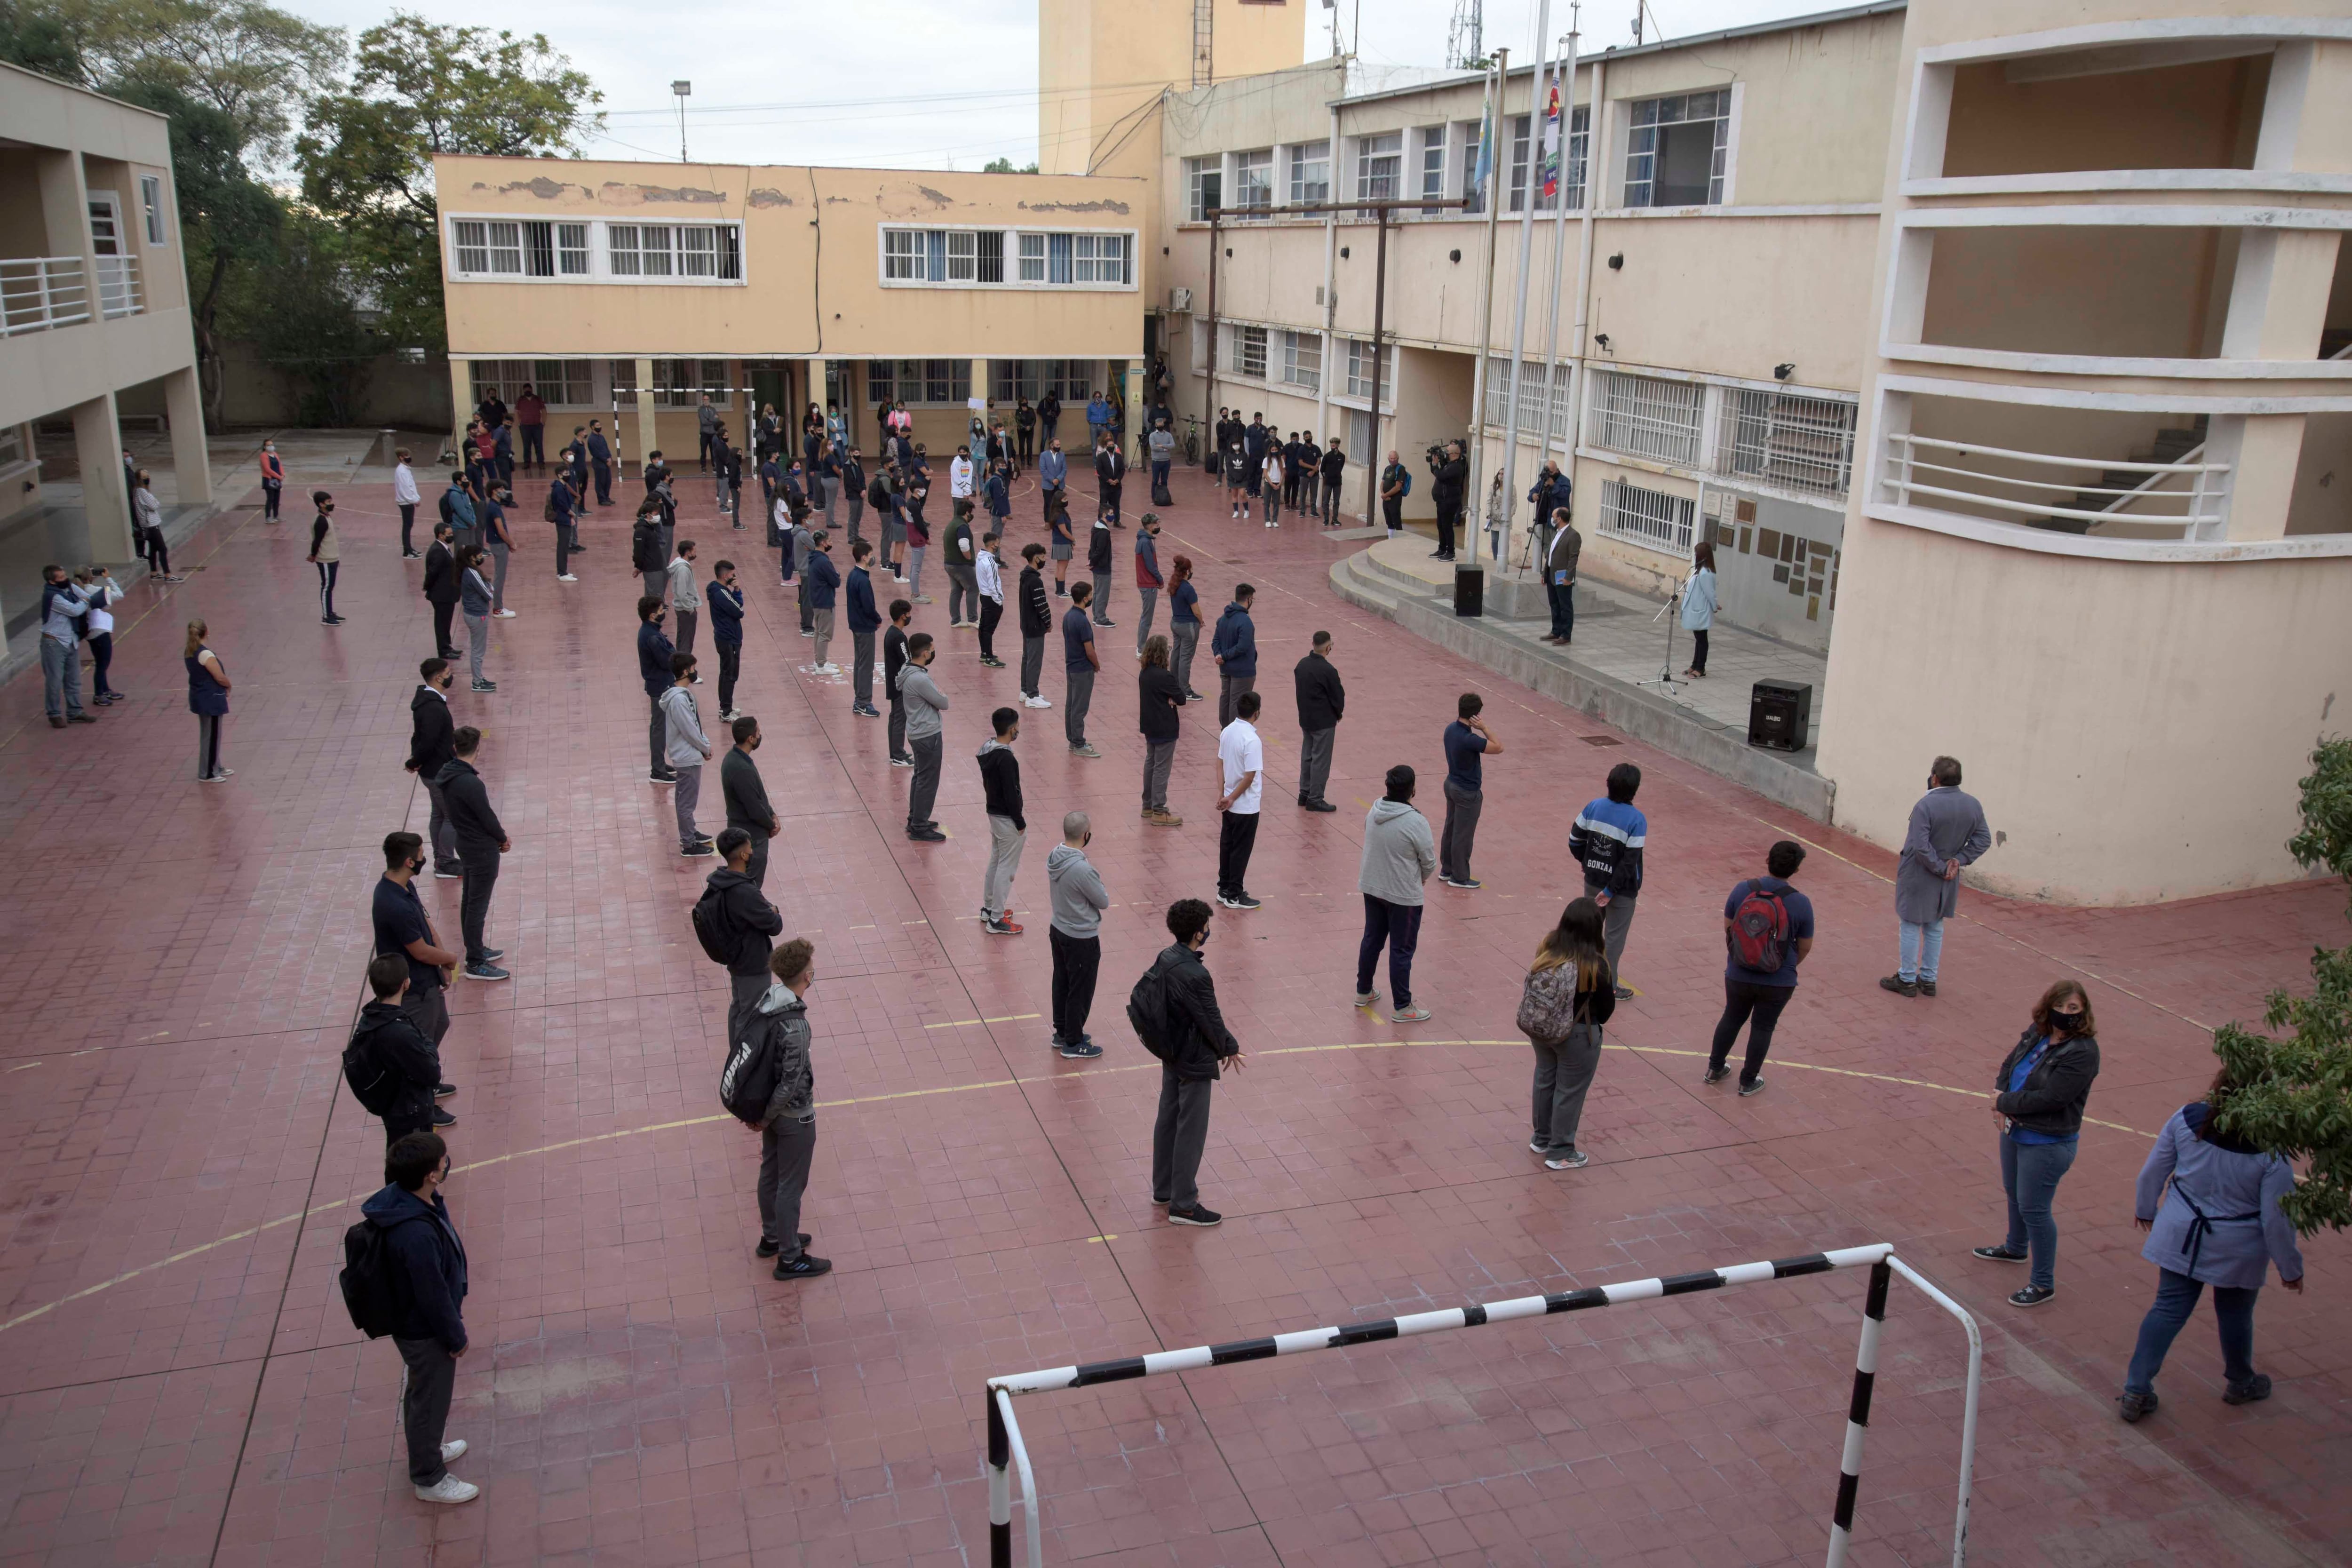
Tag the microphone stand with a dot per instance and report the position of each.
(1664, 678)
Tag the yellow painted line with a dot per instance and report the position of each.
(966, 1023)
(1112, 1236)
(253, 1231)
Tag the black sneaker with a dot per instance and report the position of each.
(1716, 1075)
(866, 711)
(926, 836)
(442, 1119)
(2133, 1406)
(1927, 988)
(2249, 1393)
(1899, 985)
(451, 874)
(1196, 1214)
(444, 1090)
(1753, 1086)
(1079, 1051)
(485, 972)
(1624, 992)
(770, 1249)
(2033, 1296)
(697, 851)
(1241, 900)
(1999, 1255)
(804, 1267)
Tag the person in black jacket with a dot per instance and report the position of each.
(1198, 1046)
(654, 652)
(1160, 701)
(394, 1047)
(430, 729)
(1334, 467)
(1037, 620)
(747, 798)
(1322, 701)
(1449, 479)
(441, 586)
(429, 1265)
(1110, 474)
(748, 914)
(893, 660)
(1008, 829)
(2039, 1095)
(481, 839)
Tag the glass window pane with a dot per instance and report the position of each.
(1057, 258)
(571, 250)
(991, 256)
(1032, 258)
(473, 247)
(653, 249)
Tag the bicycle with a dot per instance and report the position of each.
(1192, 439)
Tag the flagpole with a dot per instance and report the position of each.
(1520, 306)
(1500, 74)
(1556, 398)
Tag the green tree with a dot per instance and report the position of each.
(1005, 167)
(304, 317)
(41, 41)
(419, 89)
(253, 62)
(2297, 1097)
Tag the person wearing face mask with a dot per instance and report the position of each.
(426, 1265)
(1947, 831)
(431, 744)
(1074, 936)
(326, 554)
(746, 797)
(1189, 1038)
(2039, 1092)
(787, 1134)
(273, 480)
(402, 927)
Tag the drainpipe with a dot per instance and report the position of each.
(1475, 500)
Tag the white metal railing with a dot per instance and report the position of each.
(118, 286)
(1655, 516)
(2197, 512)
(39, 292)
(1786, 438)
(1648, 416)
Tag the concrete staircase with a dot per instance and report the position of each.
(2171, 445)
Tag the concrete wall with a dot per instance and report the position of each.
(392, 392)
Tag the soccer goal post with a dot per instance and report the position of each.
(1006, 1452)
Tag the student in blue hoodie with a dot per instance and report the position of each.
(428, 1262)
(1608, 840)
(1234, 646)
(819, 583)
(725, 598)
(865, 620)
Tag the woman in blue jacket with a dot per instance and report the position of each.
(1698, 607)
(2220, 1224)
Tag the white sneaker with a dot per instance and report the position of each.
(449, 1489)
(506, 615)
(825, 668)
(1036, 701)
(453, 1450)
(565, 577)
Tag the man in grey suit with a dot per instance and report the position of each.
(1947, 831)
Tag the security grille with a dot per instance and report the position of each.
(1648, 416)
(1781, 439)
(1653, 517)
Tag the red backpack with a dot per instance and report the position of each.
(1760, 931)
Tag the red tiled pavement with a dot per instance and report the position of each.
(178, 1382)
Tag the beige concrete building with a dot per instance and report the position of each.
(93, 303)
(1995, 362)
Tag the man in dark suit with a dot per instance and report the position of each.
(1110, 472)
(1322, 700)
(441, 586)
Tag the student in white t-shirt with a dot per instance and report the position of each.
(1241, 755)
(104, 594)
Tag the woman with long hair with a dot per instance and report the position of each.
(2220, 1224)
(209, 701)
(1185, 623)
(1569, 994)
(1160, 701)
(1698, 607)
(2041, 1090)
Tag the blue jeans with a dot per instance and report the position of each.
(1399, 926)
(2030, 1174)
(1923, 950)
(2176, 1297)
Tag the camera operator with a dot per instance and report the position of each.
(1449, 476)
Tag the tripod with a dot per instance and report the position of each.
(1664, 678)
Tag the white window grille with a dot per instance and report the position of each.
(1310, 172)
(1099, 258)
(1248, 351)
(1032, 257)
(1543, 395)
(489, 249)
(963, 257)
(1302, 360)
(503, 379)
(988, 262)
(151, 206)
(1498, 391)
(698, 253)
(1783, 439)
(1648, 416)
(1254, 178)
(1380, 167)
(1675, 156)
(1474, 198)
(1360, 372)
(571, 250)
(1533, 403)
(902, 256)
(1653, 517)
(473, 245)
(1204, 186)
(1571, 172)
(638, 250)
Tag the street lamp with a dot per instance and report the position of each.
(685, 90)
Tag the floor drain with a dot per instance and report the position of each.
(1601, 739)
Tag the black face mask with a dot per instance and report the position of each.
(416, 865)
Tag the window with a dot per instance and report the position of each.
(1101, 258)
(1655, 517)
(1521, 126)
(1572, 175)
(976, 256)
(990, 258)
(1648, 416)
(539, 250)
(962, 257)
(1674, 157)
(1248, 346)
(1057, 258)
(1032, 258)
(1302, 360)
(638, 250)
(1310, 172)
(902, 255)
(681, 382)
(151, 205)
(623, 373)
(919, 381)
(564, 382)
(1533, 403)
(571, 250)
(1783, 439)
(1475, 201)
(1204, 186)
(1359, 372)
(1433, 166)
(709, 251)
(1254, 178)
(1380, 167)
(488, 248)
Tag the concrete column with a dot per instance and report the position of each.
(980, 388)
(1131, 389)
(644, 439)
(98, 446)
(461, 405)
(183, 405)
(65, 215)
(2278, 303)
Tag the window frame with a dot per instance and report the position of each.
(1040, 257)
(1642, 145)
(581, 250)
(1371, 153)
(1197, 172)
(151, 208)
(1253, 175)
(1302, 157)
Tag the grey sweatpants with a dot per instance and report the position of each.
(686, 791)
(1617, 918)
(1314, 763)
(1150, 597)
(1076, 699)
(1179, 1136)
(787, 1149)
(1004, 842)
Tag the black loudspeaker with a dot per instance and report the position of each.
(1780, 715)
(1469, 590)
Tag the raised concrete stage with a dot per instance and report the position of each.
(1620, 644)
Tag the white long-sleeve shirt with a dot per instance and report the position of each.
(992, 578)
(960, 478)
(403, 485)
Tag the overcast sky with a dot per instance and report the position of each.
(925, 83)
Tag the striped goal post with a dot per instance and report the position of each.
(1006, 1451)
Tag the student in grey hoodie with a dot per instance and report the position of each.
(687, 748)
(924, 704)
(1400, 854)
(788, 1136)
(1074, 936)
(685, 599)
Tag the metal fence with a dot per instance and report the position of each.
(1649, 416)
(1655, 516)
(1787, 439)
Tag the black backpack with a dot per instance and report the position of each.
(748, 1082)
(713, 930)
(370, 1292)
(1147, 1012)
(645, 546)
(372, 1084)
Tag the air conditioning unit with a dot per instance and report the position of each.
(1179, 300)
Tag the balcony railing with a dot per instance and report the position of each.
(2182, 499)
(118, 286)
(39, 292)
